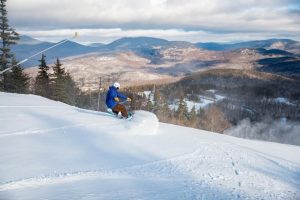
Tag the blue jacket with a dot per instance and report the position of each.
(111, 95)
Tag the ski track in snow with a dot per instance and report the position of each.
(233, 171)
(8, 106)
(39, 131)
(211, 169)
(47, 130)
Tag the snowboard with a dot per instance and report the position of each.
(119, 116)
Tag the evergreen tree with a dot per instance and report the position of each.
(42, 81)
(58, 71)
(162, 111)
(165, 111)
(158, 103)
(58, 82)
(157, 96)
(8, 37)
(63, 86)
(165, 108)
(16, 80)
(70, 89)
(200, 112)
(149, 105)
(193, 117)
(182, 111)
(193, 114)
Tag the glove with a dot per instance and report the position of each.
(117, 99)
(128, 99)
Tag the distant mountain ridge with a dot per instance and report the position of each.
(137, 42)
(249, 44)
(28, 48)
(24, 39)
(146, 47)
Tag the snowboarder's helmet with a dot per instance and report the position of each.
(117, 85)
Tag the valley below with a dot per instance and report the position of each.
(251, 84)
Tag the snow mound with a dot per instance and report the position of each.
(143, 123)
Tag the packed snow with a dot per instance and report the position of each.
(49, 150)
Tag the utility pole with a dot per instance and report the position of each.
(90, 94)
(99, 92)
(2, 80)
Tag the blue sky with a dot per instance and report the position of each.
(194, 20)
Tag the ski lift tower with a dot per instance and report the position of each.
(99, 92)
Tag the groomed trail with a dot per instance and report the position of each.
(49, 150)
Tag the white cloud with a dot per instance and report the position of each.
(163, 17)
(109, 35)
(87, 36)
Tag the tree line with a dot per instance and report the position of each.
(58, 85)
(14, 80)
(210, 118)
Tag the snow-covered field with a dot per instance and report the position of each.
(49, 150)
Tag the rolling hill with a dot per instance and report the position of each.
(145, 60)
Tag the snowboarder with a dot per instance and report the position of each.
(113, 100)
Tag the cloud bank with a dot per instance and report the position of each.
(192, 19)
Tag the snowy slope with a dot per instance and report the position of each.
(49, 150)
